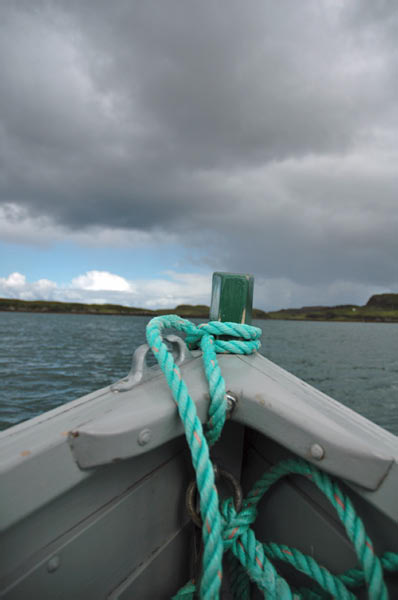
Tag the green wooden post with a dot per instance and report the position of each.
(232, 297)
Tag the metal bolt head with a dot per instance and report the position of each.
(144, 437)
(232, 401)
(53, 564)
(317, 451)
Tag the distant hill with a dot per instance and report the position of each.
(379, 308)
(384, 301)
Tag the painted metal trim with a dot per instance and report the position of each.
(270, 400)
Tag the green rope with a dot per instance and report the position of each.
(187, 592)
(209, 503)
(370, 563)
(238, 579)
(224, 529)
(307, 565)
(355, 577)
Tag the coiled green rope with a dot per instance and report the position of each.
(223, 528)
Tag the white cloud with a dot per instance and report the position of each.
(102, 281)
(16, 286)
(180, 288)
(14, 281)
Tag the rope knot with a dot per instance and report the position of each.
(235, 523)
(247, 342)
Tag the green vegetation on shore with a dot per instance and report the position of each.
(47, 306)
(379, 308)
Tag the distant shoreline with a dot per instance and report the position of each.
(341, 320)
(78, 308)
(381, 308)
(69, 312)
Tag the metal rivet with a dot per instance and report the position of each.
(232, 401)
(53, 564)
(317, 451)
(144, 437)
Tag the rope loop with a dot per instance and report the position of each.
(247, 341)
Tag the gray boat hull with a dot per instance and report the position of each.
(92, 507)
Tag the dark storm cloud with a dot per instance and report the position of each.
(264, 130)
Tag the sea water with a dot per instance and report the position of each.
(49, 359)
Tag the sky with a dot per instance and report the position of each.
(144, 145)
